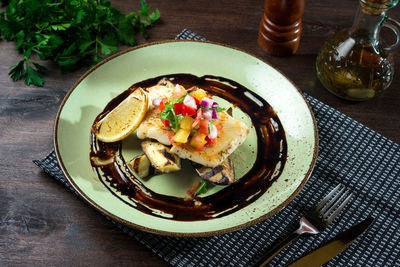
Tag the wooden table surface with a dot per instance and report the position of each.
(41, 223)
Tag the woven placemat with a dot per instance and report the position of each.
(349, 153)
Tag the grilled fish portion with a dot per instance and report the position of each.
(163, 88)
(232, 135)
(151, 126)
(161, 157)
(223, 174)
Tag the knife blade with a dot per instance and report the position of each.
(333, 247)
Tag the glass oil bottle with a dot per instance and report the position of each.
(354, 64)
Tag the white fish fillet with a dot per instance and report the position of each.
(232, 135)
(151, 126)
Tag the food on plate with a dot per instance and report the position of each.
(141, 165)
(161, 157)
(151, 126)
(123, 119)
(222, 175)
(191, 122)
(176, 122)
(254, 167)
(198, 187)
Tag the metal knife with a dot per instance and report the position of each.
(333, 247)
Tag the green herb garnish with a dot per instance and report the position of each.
(70, 33)
(179, 99)
(180, 117)
(169, 112)
(202, 189)
(219, 109)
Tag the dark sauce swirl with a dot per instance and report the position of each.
(268, 166)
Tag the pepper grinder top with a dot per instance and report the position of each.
(280, 26)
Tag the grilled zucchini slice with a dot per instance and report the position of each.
(223, 174)
(161, 157)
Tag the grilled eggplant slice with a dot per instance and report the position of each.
(223, 174)
(141, 166)
(161, 157)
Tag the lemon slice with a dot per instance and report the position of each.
(124, 118)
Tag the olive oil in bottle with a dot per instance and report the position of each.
(352, 64)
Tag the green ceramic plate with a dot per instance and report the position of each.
(98, 86)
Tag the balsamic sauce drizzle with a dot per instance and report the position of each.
(270, 160)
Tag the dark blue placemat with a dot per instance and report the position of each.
(349, 153)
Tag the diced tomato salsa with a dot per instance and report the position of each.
(192, 117)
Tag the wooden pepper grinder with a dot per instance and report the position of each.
(280, 26)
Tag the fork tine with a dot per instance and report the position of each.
(334, 204)
(339, 209)
(327, 197)
(332, 201)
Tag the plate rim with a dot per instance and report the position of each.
(92, 203)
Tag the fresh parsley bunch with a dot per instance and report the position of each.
(71, 33)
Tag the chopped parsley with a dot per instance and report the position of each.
(202, 189)
(169, 112)
(219, 109)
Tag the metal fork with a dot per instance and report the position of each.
(314, 222)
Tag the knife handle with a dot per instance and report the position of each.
(275, 249)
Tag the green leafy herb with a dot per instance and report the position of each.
(179, 99)
(202, 189)
(71, 33)
(169, 112)
(219, 109)
(180, 117)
